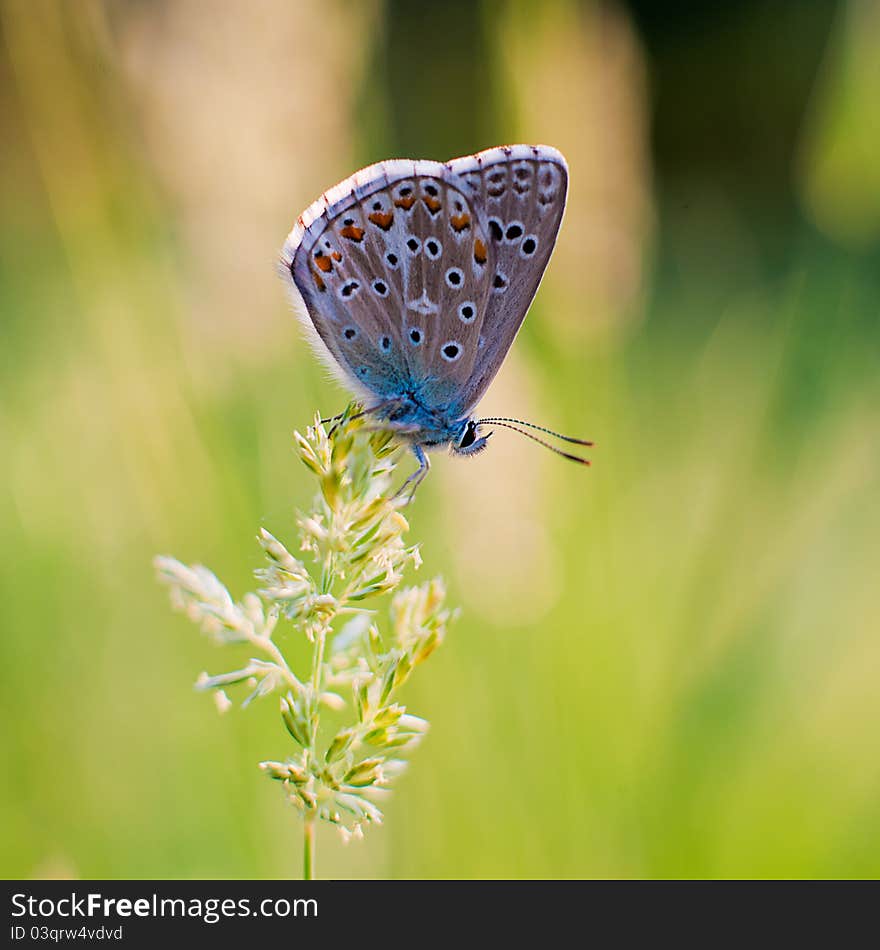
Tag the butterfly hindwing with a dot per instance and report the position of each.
(394, 266)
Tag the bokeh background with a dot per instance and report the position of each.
(668, 665)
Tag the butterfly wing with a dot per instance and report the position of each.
(394, 268)
(522, 190)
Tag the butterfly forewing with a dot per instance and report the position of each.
(395, 267)
(522, 191)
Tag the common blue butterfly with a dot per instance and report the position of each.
(413, 277)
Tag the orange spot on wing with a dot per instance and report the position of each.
(382, 219)
(324, 264)
(460, 222)
(432, 204)
(352, 233)
(319, 282)
(480, 255)
(406, 202)
(336, 256)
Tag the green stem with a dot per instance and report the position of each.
(309, 845)
(312, 814)
(317, 664)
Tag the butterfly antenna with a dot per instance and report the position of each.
(547, 445)
(531, 425)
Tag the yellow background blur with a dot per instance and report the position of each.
(667, 665)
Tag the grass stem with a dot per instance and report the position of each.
(309, 845)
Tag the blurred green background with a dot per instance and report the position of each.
(668, 665)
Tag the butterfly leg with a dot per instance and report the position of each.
(408, 489)
(362, 412)
(335, 418)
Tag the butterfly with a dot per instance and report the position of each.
(412, 278)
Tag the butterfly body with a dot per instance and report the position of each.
(420, 423)
(413, 277)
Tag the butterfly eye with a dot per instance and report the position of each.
(469, 437)
(467, 312)
(454, 277)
